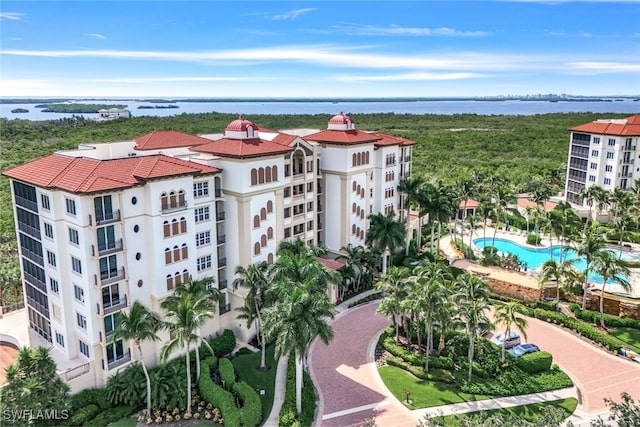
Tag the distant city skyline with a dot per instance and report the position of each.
(328, 49)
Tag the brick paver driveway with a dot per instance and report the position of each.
(350, 389)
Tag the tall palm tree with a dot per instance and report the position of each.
(300, 315)
(466, 189)
(254, 279)
(359, 261)
(140, 324)
(589, 195)
(472, 305)
(393, 284)
(472, 220)
(185, 315)
(610, 267)
(297, 266)
(558, 272)
(588, 246)
(409, 187)
(426, 199)
(486, 210)
(384, 235)
(507, 316)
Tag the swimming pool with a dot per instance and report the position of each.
(534, 258)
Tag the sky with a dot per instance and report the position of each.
(321, 49)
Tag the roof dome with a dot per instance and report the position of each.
(241, 128)
(341, 122)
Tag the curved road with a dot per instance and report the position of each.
(351, 391)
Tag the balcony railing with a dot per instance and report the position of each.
(299, 176)
(108, 247)
(26, 203)
(222, 284)
(119, 361)
(38, 259)
(110, 276)
(31, 231)
(221, 239)
(225, 308)
(218, 192)
(407, 158)
(627, 161)
(115, 305)
(173, 207)
(222, 262)
(220, 215)
(107, 217)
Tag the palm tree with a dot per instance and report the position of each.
(473, 221)
(393, 284)
(528, 214)
(300, 315)
(359, 263)
(185, 314)
(472, 306)
(297, 266)
(486, 210)
(610, 267)
(557, 271)
(466, 189)
(589, 196)
(254, 279)
(588, 246)
(409, 187)
(507, 315)
(141, 324)
(384, 235)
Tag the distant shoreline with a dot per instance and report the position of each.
(542, 98)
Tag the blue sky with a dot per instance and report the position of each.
(318, 49)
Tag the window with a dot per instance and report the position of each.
(607, 181)
(202, 214)
(204, 263)
(263, 214)
(287, 212)
(612, 141)
(60, 339)
(71, 206)
(48, 230)
(110, 323)
(595, 153)
(51, 258)
(115, 351)
(73, 236)
(609, 155)
(263, 240)
(45, 204)
(608, 168)
(593, 165)
(169, 282)
(81, 320)
(57, 313)
(78, 292)
(596, 140)
(256, 249)
(53, 284)
(203, 238)
(254, 177)
(269, 206)
(76, 265)
(200, 189)
(84, 348)
(592, 178)
(270, 233)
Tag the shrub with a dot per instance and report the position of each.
(533, 363)
(216, 395)
(111, 415)
(227, 373)
(89, 396)
(546, 305)
(223, 344)
(83, 414)
(434, 374)
(242, 351)
(127, 387)
(251, 411)
(609, 320)
(287, 416)
(533, 239)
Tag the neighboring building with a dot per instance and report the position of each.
(107, 224)
(603, 153)
(112, 114)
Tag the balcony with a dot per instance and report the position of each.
(299, 176)
(218, 192)
(222, 285)
(108, 248)
(37, 258)
(115, 305)
(222, 262)
(407, 158)
(220, 215)
(119, 361)
(627, 161)
(110, 276)
(31, 231)
(26, 203)
(298, 196)
(174, 207)
(106, 217)
(225, 308)
(221, 239)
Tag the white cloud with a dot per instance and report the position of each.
(555, 33)
(137, 80)
(11, 16)
(605, 67)
(396, 30)
(414, 76)
(293, 14)
(97, 36)
(15, 39)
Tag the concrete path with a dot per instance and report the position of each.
(278, 397)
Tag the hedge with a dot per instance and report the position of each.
(413, 358)
(82, 415)
(287, 416)
(227, 373)
(434, 374)
(90, 396)
(533, 239)
(533, 363)
(513, 382)
(609, 320)
(216, 395)
(251, 411)
(223, 344)
(111, 416)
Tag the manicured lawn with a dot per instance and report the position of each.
(127, 422)
(526, 412)
(424, 394)
(630, 336)
(245, 365)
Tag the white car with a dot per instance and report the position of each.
(511, 341)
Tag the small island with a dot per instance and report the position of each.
(151, 107)
(76, 108)
(19, 110)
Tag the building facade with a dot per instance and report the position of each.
(107, 224)
(605, 153)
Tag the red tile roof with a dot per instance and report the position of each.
(523, 202)
(471, 204)
(391, 140)
(631, 128)
(240, 125)
(331, 263)
(343, 136)
(241, 148)
(85, 175)
(167, 139)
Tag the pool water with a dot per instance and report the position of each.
(534, 258)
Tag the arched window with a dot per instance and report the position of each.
(176, 253)
(267, 173)
(353, 208)
(183, 225)
(353, 186)
(169, 282)
(167, 256)
(270, 233)
(185, 276)
(181, 201)
(366, 158)
(353, 229)
(263, 214)
(256, 221)
(254, 176)
(185, 251)
(263, 240)
(261, 176)
(274, 173)
(357, 230)
(166, 229)
(362, 214)
(175, 227)
(270, 259)
(358, 188)
(353, 160)
(269, 206)
(173, 199)
(256, 249)
(362, 235)
(358, 210)
(164, 201)
(362, 193)
(176, 278)
(359, 159)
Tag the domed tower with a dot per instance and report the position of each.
(341, 122)
(241, 128)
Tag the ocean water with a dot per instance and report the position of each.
(507, 107)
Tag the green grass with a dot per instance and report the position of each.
(424, 394)
(630, 336)
(246, 364)
(126, 422)
(527, 412)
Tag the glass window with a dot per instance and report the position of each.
(76, 265)
(51, 258)
(607, 181)
(202, 214)
(45, 204)
(53, 284)
(595, 153)
(84, 348)
(200, 189)
(203, 238)
(204, 263)
(115, 351)
(81, 320)
(71, 206)
(48, 230)
(74, 236)
(60, 339)
(78, 292)
(609, 155)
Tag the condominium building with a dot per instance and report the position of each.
(603, 153)
(107, 224)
